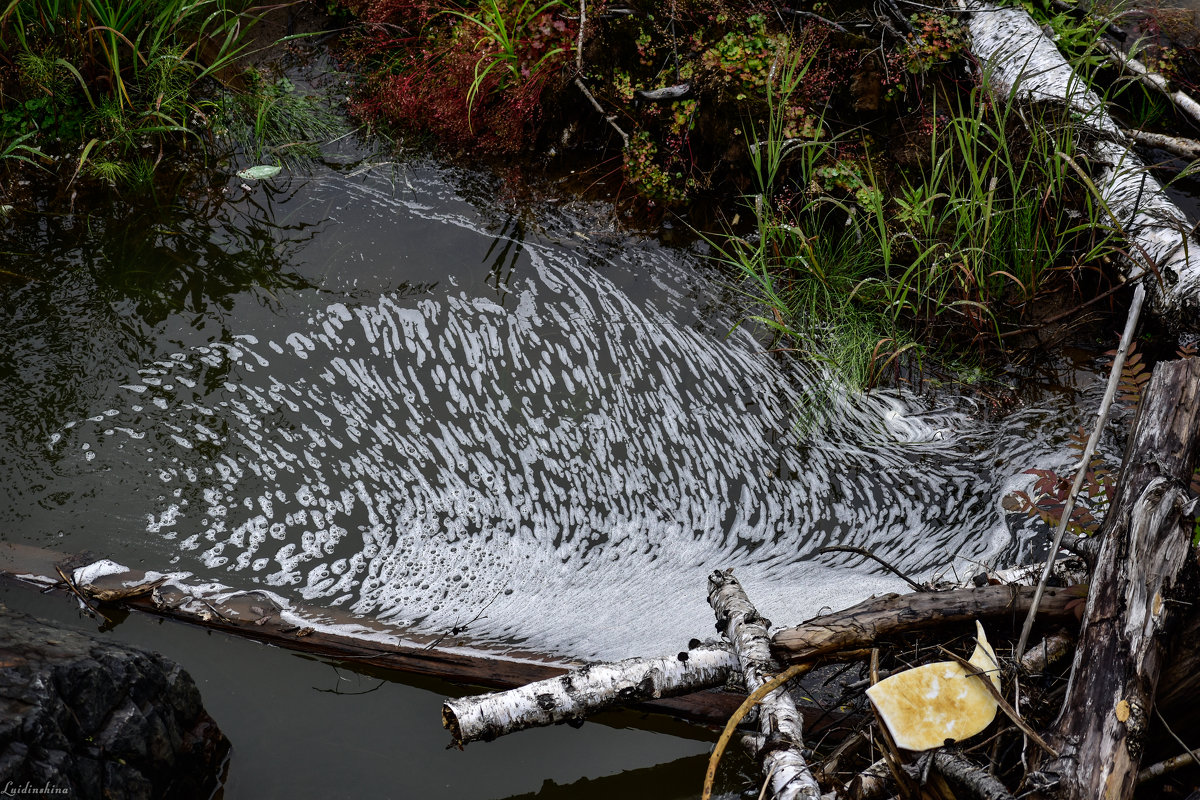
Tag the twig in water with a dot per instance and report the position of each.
(1071, 311)
(1110, 393)
(74, 589)
(750, 702)
(792, 12)
(611, 119)
(457, 629)
(215, 612)
(1188, 757)
(916, 587)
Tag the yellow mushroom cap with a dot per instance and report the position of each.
(924, 706)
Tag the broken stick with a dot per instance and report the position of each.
(892, 614)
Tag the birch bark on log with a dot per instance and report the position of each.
(1137, 595)
(584, 691)
(1176, 145)
(1151, 79)
(779, 720)
(1016, 55)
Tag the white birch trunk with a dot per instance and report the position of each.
(1175, 145)
(572, 697)
(1152, 79)
(1016, 53)
(779, 719)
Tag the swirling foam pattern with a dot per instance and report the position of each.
(560, 472)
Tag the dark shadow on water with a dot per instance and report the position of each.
(675, 780)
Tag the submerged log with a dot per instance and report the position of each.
(780, 752)
(1018, 57)
(335, 633)
(1144, 579)
(584, 691)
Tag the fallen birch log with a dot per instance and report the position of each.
(1139, 593)
(584, 691)
(780, 753)
(1175, 145)
(1018, 57)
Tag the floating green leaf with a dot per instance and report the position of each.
(259, 173)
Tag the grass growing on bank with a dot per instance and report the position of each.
(937, 261)
(102, 86)
(899, 214)
(110, 91)
(271, 122)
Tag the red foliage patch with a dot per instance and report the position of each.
(425, 80)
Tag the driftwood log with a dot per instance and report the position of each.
(864, 624)
(1017, 57)
(584, 691)
(780, 752)
(1143, 584)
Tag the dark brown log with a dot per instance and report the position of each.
(1139, 594)
(892, 614)
(415, 654)
(967, 779)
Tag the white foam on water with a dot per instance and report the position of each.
(561, 471)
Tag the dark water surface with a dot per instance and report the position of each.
(303, 727)
(375, 388)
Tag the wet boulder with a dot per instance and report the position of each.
(89, 718)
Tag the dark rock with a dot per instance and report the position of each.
(84, 717)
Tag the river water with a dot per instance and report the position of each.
(386, 387)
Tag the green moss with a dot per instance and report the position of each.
(649, 177)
